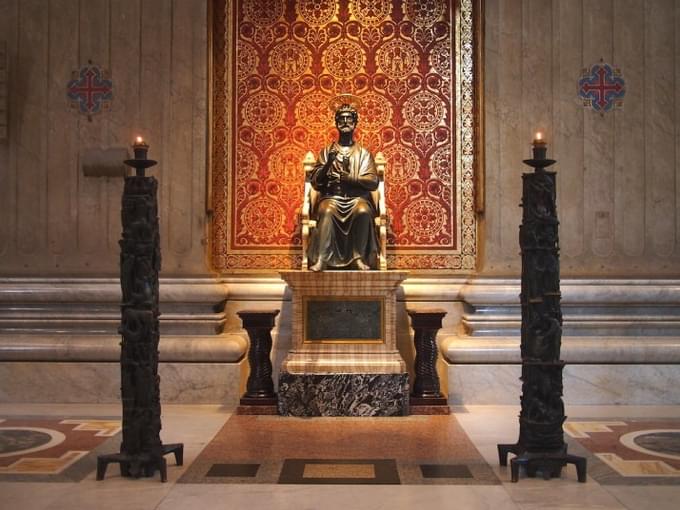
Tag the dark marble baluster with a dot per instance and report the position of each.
(426, 390)
(260, 386)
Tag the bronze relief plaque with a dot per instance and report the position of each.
(359, 320)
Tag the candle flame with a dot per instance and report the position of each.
(139, 139)
(539, 136)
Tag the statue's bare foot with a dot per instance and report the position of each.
(362, 266)
(317, 267)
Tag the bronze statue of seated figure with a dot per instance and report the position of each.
(345, 179)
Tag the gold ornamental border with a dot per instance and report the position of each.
(469, 153)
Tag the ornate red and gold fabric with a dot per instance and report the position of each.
(277, 64)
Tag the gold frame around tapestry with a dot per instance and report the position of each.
(226, 257)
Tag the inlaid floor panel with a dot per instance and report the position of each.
(54, 449)
(396, 450)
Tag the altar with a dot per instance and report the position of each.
(344, 359)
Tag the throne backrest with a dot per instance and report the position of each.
(310, 201)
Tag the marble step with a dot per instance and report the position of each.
(226, 348)
(461, 349)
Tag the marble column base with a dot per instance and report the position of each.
(343, 394)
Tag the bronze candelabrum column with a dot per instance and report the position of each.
(541, 445)
(141, 452)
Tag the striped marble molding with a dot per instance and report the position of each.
(348, 357)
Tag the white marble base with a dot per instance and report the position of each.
(630, 329)
(633, 349)
(583, 384)
(83, 382)
(53, 346)
(59, 341)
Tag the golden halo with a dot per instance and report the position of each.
(345, 99)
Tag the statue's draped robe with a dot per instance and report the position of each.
(345, 211)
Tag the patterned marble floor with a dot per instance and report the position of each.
(630, 451)
(35, 449)
(352, 451)
(635, 435)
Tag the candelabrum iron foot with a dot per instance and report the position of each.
(138, 465)
(548, 464)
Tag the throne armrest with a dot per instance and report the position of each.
(308, 202)
(381, 219)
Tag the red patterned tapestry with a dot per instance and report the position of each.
(276, 66)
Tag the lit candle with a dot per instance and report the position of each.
(140, 148)
(540, 146)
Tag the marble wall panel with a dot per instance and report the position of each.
(178, 185)
(199, 140)
(62, 148)
(660, 126)
(677, 131)
(94, 45)
(154, 97)
(490, 229)
(9, 31)
(124, 61)
(537, 71)
(598, 139)
(618, 172)
(31, 133)
(629, 161)
(509, 68)
(568, 122)
(57, 221)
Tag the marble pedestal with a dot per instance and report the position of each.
(344, 360)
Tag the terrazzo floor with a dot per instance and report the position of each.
(589, 431)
